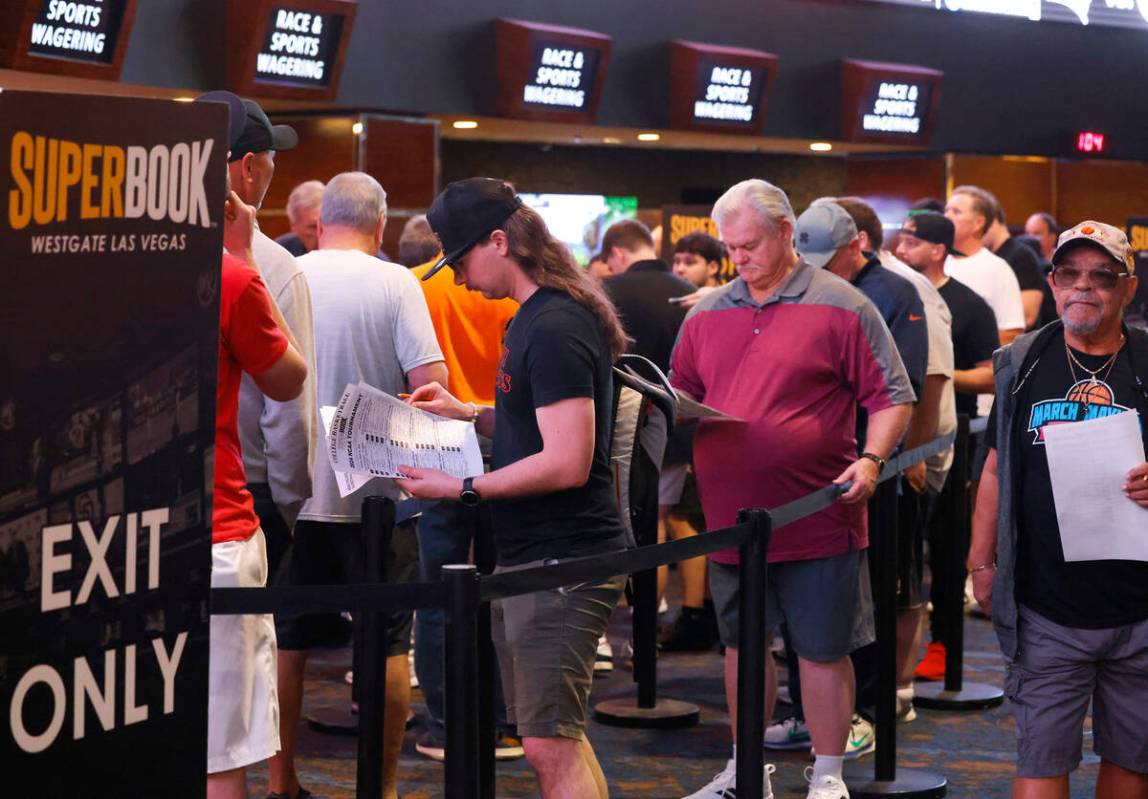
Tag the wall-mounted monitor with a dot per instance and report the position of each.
(291, 49)
(548, 72)
(888, 103)
(719, 89)
(580, 220)
(84, 39)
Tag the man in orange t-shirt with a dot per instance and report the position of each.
(469, 328)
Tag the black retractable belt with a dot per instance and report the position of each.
(954, 693)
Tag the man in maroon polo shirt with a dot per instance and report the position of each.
(792, 350)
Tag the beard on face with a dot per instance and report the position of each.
(1086, 326)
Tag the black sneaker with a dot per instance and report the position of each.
(692, 631)
(507, 747)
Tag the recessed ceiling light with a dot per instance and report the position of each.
(821, 147)
(184, 99)
(611, 140)
(357, 128)
(649, 136)
(465, 124)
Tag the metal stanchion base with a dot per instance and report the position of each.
(908, 784)
(972, 696)
(335, 722)
(666, 714)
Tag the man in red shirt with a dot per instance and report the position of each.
(242, 705)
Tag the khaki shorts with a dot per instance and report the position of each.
(242, 700)
(546, 643)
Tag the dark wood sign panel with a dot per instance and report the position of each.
(719, 89)
(888, 103)
(550, 73)
(85, 39)
(290, 49)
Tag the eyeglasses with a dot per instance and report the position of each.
(1066, 276)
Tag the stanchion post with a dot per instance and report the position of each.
(645, 619)
(371, 671)
(751, 653)
(462, 766)
(484, 559)
(955, 693)
(958, 552)
(883, 550)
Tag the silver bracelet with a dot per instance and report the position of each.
(982, 567)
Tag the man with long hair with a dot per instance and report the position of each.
(550, 488)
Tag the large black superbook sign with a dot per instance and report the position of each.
(111, 239)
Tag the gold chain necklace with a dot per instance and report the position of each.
(1105, 367)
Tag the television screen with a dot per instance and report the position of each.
(580, 220)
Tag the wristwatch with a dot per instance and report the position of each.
(468, 496)
(877, 459)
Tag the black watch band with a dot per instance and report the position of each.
(877, 459)
(468, 496)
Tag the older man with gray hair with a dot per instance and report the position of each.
(371, 325)
(303, 215)
(792, 350)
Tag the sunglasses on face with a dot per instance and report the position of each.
(1065, 277)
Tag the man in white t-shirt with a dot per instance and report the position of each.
(989, 276)
(371, 325)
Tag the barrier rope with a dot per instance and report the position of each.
(298, 600)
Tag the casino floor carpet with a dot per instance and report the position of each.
(973, 751)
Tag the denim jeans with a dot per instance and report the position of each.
(445, 531)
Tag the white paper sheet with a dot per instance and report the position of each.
(348, 482)
(1087, 462)
(372, 434)
(689, 408)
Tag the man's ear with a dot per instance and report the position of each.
(500, 241)
(379, 228)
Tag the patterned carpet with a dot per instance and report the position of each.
(973, 751)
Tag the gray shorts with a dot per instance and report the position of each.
(546, 644)
(1057, 672)
(825, 603)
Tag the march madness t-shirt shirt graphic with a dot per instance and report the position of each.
(1085, 400)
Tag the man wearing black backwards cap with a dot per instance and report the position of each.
(278, 438)
(551, 488)
(926, 241)
(1072, 625)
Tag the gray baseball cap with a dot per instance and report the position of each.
(821, 231)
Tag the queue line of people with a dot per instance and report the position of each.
(795, 346)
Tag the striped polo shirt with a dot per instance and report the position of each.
(794, 368)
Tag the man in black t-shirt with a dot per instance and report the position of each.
(1075, 632)
(551, 487)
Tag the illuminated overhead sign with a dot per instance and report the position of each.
(1109, 13)
(287, 48)
(888, 103)
(720, 89)
(85, 39)
(548, 72)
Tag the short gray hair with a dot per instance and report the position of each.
(766, 201)
(307, 194)
(353, 200)
(417, 243)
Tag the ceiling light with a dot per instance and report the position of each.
(649, 136)
(357, 128)
(184, 99)
(611, 140)
(464, 124)
(820, 146)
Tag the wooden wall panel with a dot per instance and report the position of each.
(402, 154)
(1022, 185)
(892, 185)
(1107, 191)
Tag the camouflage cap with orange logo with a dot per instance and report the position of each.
(1108, 238)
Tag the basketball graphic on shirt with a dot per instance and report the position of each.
(1091, 393)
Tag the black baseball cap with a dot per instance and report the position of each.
(259, 135)
(236, 116)
(931, 227)
(466, 211)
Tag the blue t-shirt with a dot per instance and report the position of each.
(900, 306)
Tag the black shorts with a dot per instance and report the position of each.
(912, 513)
(330, 553)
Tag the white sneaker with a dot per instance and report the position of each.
(411, 662)
(905, 710)
(789, 734)
(663, 607)
(604, 658)
(783, 695)
(861, 741)
(825, 787)
(723, 786)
